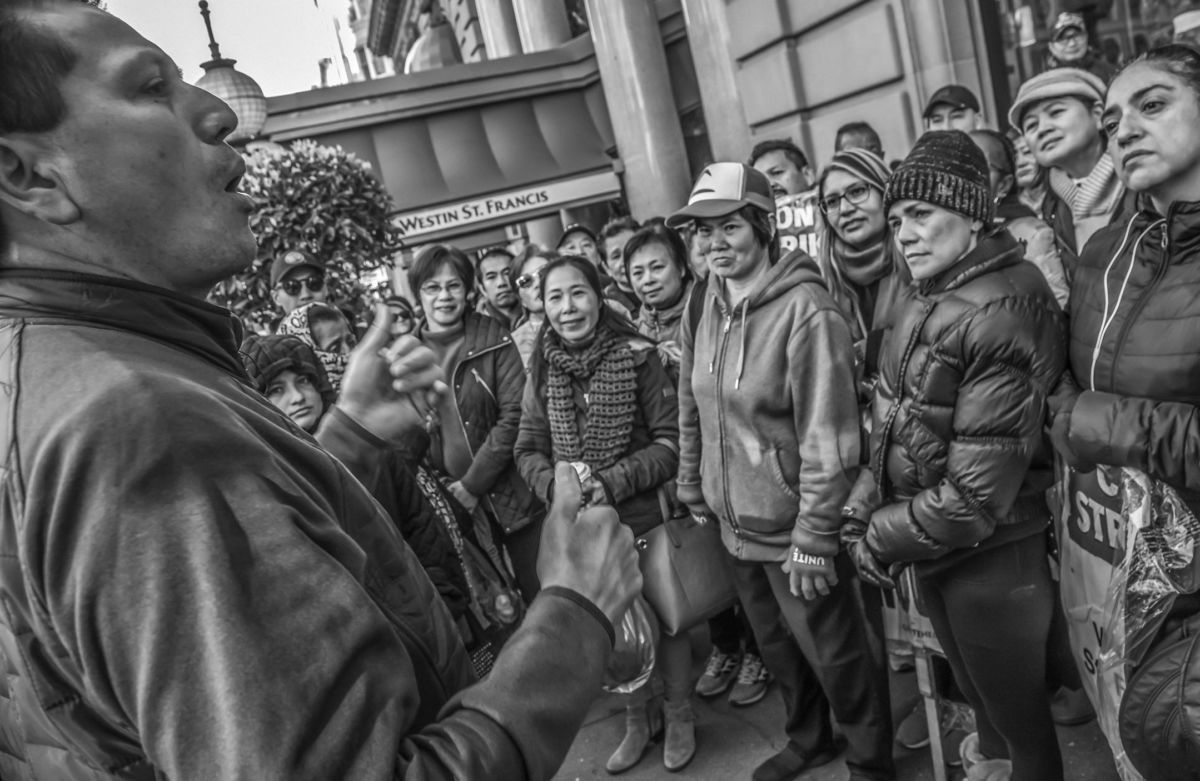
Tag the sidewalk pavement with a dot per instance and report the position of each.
(731, 741)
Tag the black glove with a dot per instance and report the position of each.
(869, 568)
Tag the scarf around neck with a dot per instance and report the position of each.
(1095, 195)
(607, 363)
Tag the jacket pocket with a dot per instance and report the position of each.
(775, 459)
(759, 493)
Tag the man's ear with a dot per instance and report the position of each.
(30, 184)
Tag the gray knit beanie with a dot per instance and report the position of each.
(945, 168)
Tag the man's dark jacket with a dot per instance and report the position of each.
(192, 588)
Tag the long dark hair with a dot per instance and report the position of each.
(617, 323)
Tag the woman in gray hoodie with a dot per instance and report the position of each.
(769, 445)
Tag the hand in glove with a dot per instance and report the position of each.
(809, 575)
(870, 570)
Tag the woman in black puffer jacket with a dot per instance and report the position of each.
(1132, 397)
(957, 443)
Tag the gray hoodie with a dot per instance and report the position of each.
(769, 426)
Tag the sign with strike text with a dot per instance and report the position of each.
(796, 219)
(509, 206)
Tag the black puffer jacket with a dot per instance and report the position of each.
(1141, 374)
(960, 406)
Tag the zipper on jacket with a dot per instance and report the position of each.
(721, 438)
(1140, 304)
(886, 434)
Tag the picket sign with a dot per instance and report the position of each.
(1094, 533)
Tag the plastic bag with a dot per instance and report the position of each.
(1128, 547)
(632, 658)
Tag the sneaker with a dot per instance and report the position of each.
(957, 722)
(719, 673)
(980, 768)
(913, 732)
(752, 682)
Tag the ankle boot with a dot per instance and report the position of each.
(680, 745)
(643, 724)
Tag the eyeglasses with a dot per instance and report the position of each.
(855, 194)
(315, 284)
(433, 289)
(525, 280)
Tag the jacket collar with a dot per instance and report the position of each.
(1183, 225)
(208, 331)
(996, 251)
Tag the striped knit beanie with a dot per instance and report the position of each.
(945, 168)
(859, 163)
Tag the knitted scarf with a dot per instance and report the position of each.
(608, 363)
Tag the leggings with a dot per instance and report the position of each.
(991, 613)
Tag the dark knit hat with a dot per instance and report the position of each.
(266, 357)
(945, 168)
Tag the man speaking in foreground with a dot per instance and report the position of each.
(190, 588)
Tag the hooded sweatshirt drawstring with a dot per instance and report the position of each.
(741, 367)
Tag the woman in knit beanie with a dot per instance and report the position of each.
(855, 256)
(599, 396)
(958, 452)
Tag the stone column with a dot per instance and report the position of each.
(542, 24)
(637, 89)
(724, 117)
(498, 21)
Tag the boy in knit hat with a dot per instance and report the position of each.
(958, 415)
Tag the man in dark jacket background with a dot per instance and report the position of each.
(192, 588)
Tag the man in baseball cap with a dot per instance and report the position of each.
(297, 278)
(1070, 46)
(953, 107)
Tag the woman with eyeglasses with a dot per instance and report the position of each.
(855, 254)
(1024, 225)
(472, 443)
(526, 273)
(598, 396)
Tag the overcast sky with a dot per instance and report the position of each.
(277, 42)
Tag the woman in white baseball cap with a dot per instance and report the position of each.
(769, 445)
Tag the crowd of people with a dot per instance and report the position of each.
(330, 552)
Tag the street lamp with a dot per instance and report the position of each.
(241, 92)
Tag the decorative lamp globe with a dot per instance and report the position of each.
(243, 95)
(434, 48)
(241, 92)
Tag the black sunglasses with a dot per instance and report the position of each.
(315, 284)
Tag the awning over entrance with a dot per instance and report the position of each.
(471, 146)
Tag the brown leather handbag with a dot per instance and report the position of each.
(687, 576)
